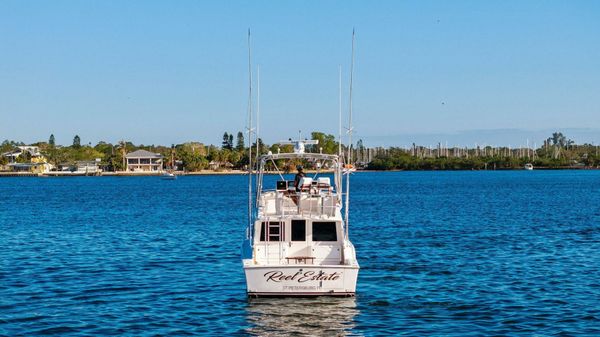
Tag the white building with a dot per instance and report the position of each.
(144, 161)
(34, 152)
(89, 166)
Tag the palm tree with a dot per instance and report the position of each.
(123, 148)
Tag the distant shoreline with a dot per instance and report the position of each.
(541, 168)
(240, 172)
(135, 174)
(118, 174)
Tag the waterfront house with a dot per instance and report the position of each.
(217, 165)
(178, 165)
(12, 156)
(66, 167)
(88, 166)
(33, 161)
(144, 161)
(33, 151)
(29, 167)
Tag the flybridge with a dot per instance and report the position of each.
(314, 195)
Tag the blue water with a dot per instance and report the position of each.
(442, 253)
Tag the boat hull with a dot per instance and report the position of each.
(300, 280)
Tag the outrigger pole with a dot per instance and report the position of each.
(349, 166)
(350, 104)
(257, 154)
(249, 129)
(340, 178)
(340, 115)
(257, 113)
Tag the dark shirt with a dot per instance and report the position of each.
(297, 179)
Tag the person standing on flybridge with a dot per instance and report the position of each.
(298, 177)
(297, 182)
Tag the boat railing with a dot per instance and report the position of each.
(309, 204)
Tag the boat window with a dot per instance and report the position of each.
(298, 230)
(273, 228)
(324, 231)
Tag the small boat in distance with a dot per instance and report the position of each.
(168, 176)
(529, 167)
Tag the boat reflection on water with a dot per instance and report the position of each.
(301, 316)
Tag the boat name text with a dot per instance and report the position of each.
(301, 277)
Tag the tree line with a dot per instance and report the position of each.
(189, 156)
(557, 152)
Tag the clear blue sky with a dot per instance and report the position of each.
(173, 71)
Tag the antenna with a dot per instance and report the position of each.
(249, 131)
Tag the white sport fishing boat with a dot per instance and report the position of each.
(297, 243)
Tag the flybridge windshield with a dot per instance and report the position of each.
(290, 161)
(311, 173)
(300, 155)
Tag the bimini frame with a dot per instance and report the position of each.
(334, 159)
